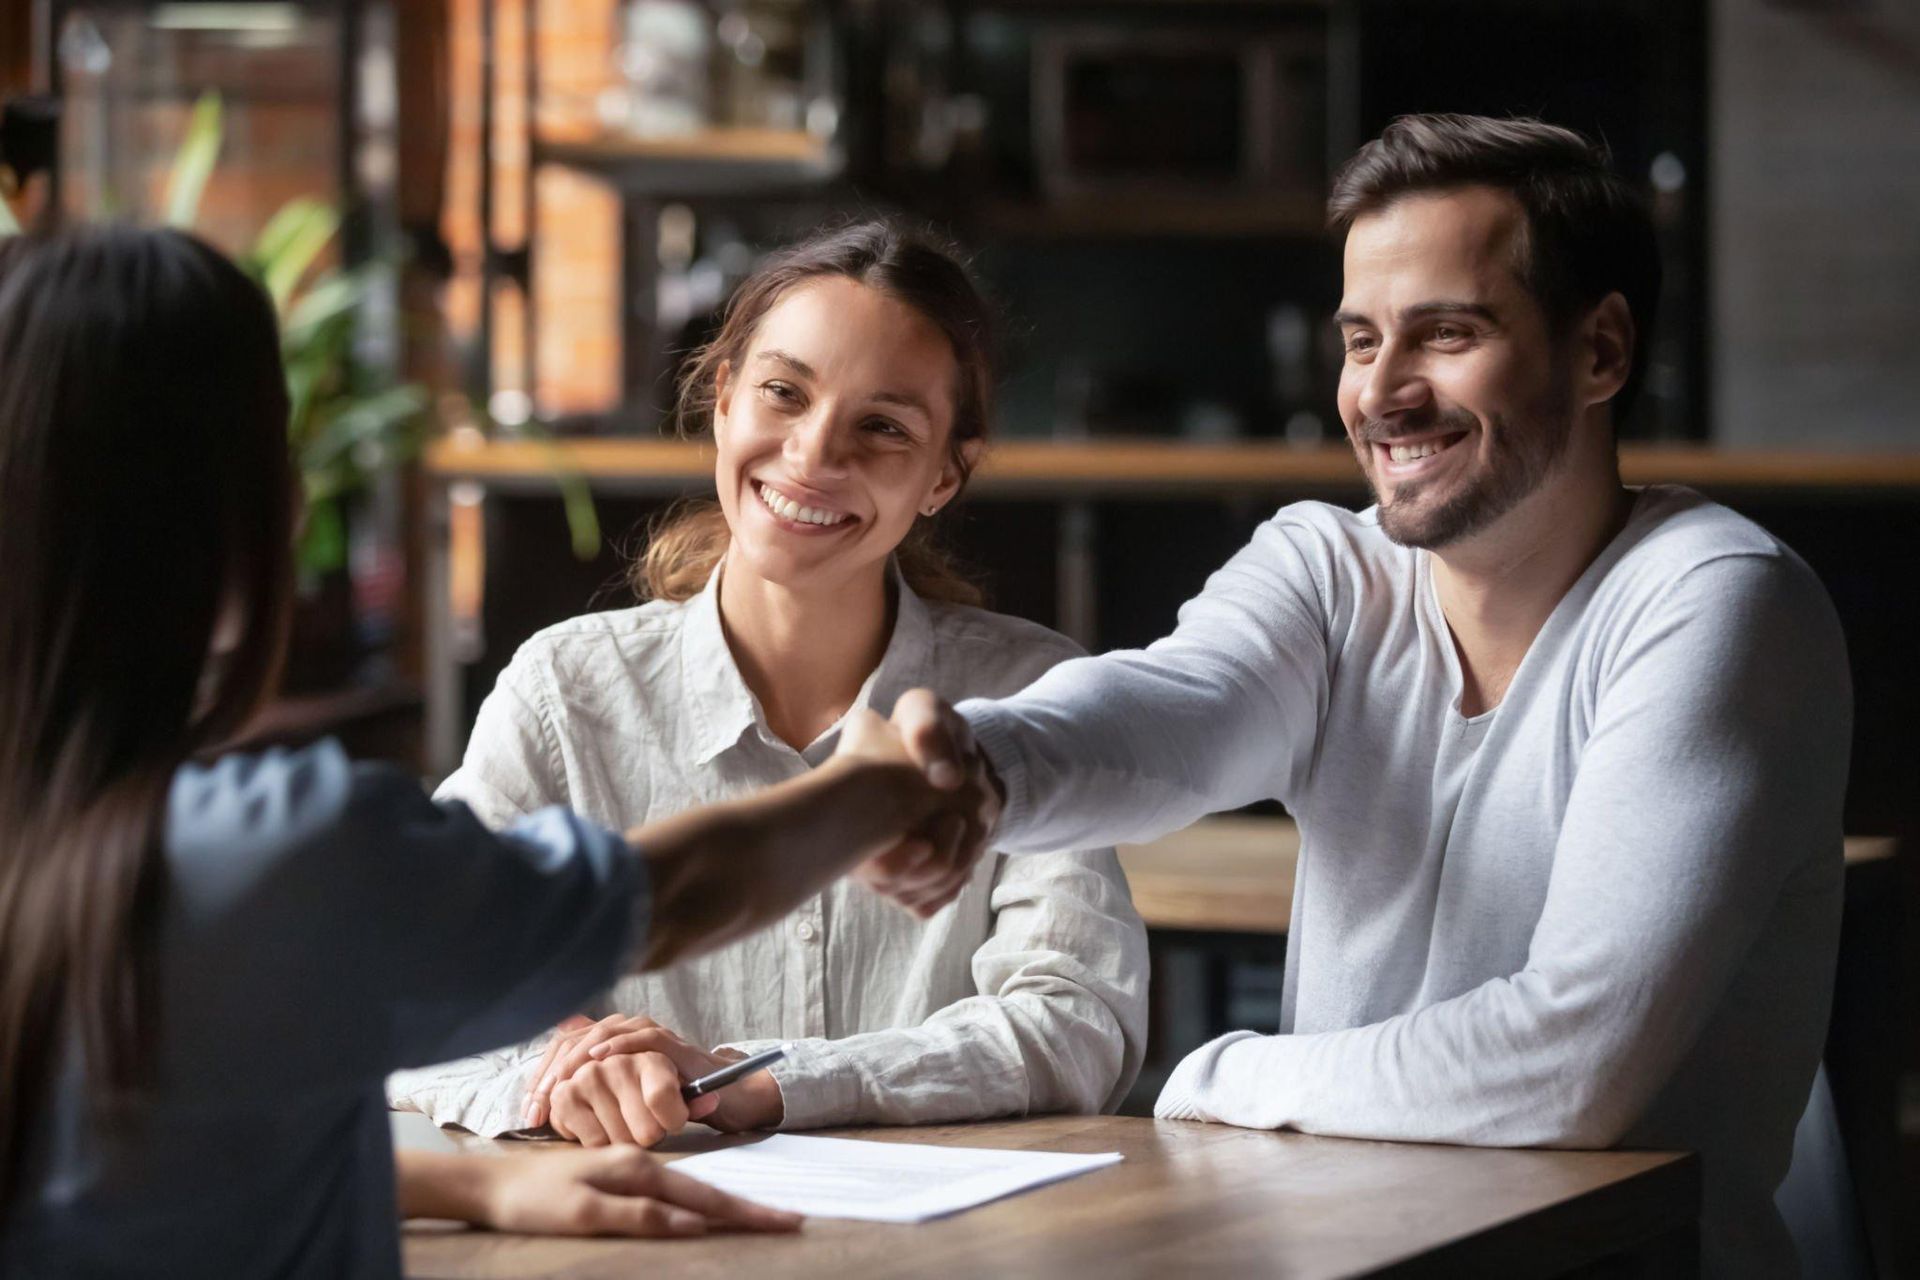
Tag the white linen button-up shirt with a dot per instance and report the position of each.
(1027, 994)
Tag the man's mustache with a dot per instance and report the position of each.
(1379, 430)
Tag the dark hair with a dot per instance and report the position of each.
(144, 483)
(1589, 234)
(913, 267)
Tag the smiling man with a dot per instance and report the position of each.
(1567, 757)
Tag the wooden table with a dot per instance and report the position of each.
(1189, 1200)
(1234, 874)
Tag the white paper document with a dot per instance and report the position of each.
(879, 1181)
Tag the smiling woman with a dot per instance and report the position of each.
(876, 291)
(848, 396)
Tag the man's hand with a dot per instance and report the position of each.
(928, 870)
(574, 1193)
(618, 1081)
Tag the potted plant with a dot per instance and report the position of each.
(347, 425)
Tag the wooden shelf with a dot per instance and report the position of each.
(1096, 468)
(720, 160)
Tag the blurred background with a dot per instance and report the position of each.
(495, 227)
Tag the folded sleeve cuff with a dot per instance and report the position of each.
(1207, 1081)
(818, 1085)
(474, 1095)
(993, 728)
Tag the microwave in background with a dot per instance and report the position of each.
(1180, 113)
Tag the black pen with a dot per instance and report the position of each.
(732, 1071)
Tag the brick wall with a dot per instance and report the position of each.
(577, 246)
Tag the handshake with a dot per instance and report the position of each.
(906, 805)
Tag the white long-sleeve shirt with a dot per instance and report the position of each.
(1603, 913)
(1028, 994)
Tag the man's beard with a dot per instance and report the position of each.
(1521, 457)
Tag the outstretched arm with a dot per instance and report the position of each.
(1708, 795)
(1133, 744)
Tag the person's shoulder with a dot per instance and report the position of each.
(1330, 521)
(1681, 525)
(1690, 561)
(636, 626)
(259, 801)
(567, 654)
(986, 650)
(250, 830)
(1676, 536)
(1333, 534)
(1342, 556)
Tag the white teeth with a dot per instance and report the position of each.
(787, 509)
(1414, 452)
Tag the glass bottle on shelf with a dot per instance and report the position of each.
(663, 56)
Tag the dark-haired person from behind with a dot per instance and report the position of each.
(207, 966)
(1567, 757)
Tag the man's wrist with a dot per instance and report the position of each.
(993, 740)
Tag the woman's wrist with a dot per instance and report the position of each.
(764, 1107)
(434, 1184)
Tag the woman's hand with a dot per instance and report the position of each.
(618, 1081)
(574, 1193)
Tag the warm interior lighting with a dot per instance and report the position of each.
(256, 19)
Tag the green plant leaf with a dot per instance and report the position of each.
(331, 296)
(292, 239)
(583, 518)
(323, 540)
(361, 441)
(576, 495)
(193, 163)
(386, 421)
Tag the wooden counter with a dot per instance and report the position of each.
(1234, 874)
(1188, 1200)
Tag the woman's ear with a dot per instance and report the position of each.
(953, 474)
(722, 391)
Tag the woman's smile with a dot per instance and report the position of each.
(798, 514)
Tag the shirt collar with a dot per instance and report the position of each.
(721, 707)
(909, 654)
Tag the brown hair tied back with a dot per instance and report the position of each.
(911, 266)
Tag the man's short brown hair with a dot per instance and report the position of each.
(1589, 234)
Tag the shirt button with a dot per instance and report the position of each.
(806, 930)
